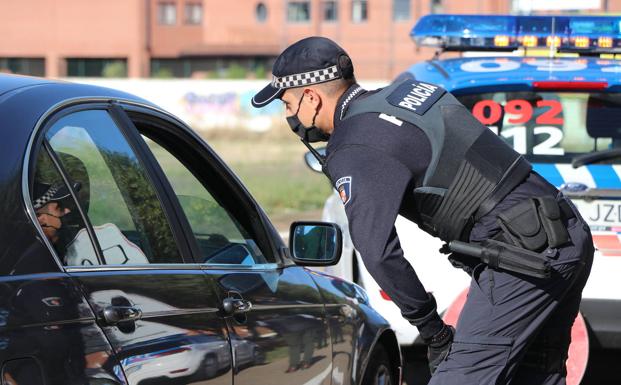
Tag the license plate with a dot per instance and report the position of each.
(601, 214)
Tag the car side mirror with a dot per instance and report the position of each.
(312, 161)
(315, 243)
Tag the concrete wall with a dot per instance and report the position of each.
(208, 104)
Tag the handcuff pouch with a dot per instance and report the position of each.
(522, 226)
(550, 215)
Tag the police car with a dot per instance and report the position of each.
(550, 86)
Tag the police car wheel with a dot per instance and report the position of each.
(210, 366)
(379, 371)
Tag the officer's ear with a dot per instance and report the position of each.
(312, 96)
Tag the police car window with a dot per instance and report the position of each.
(221, 238)
(117, 196)
(551, 127)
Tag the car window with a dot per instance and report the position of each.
(221, 238)
(117, 196)
(550, 126)
(56, 211)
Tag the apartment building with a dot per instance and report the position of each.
(238, 38)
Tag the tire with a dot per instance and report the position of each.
(379, 369)
(210, 366)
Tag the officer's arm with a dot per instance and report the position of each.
(372, 185)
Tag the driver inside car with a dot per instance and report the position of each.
(63, 225)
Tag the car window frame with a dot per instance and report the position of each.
(169, 125)
(37, 144)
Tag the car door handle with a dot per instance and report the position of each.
(115, 314)
(236, 305)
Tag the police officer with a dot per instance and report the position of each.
(412, 149)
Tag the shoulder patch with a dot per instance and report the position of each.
(415, 96)
(343, 186)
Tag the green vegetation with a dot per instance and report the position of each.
(271, 167)
(236, 71)
(274, 172)
(162, 73)
(260, 72)
(116, 69)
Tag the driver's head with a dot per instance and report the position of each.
(51, 205)
(309, 77)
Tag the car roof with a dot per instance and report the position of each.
(13, 82)
(43, 92)
(487, 73)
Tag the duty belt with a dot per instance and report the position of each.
(501, 255)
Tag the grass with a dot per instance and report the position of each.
(274, 171)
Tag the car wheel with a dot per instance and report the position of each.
(257, 356)
(210, 366)
(379, 371)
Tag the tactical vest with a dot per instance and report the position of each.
(471, 168)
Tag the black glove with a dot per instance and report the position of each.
(438, 347)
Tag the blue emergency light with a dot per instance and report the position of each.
(582, 34)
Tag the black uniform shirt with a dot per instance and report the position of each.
(375, 162)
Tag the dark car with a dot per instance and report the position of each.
(131, 254)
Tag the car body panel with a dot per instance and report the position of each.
(46, 317)
(180, 310)
(477, 74)
(286, 325)
(182, 334)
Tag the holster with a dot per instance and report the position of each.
(528, 228)
(534, 224)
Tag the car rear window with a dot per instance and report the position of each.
(551, 127)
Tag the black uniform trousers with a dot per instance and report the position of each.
(509, 319)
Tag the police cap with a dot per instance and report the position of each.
(309, 61)
(45, 193)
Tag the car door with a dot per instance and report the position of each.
(123, 245)
(276, 316)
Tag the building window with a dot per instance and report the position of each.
(212, 68)
(400, 10)
(23, 66)
(436, 6)
(107, 68)
(193, 14)
(167, 13)
(298, 11)
(359, 11)
(261, 13)
(330, 11)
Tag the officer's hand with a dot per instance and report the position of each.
(438, 347)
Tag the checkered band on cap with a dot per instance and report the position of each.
(306, 78)
(47, 197)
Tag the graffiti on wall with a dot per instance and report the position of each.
(230, 110)
(207, 104)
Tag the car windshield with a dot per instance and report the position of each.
(551, 127)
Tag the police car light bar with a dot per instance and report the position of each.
(581, 34)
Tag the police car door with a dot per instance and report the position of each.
(123, 246)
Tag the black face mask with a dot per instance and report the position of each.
(309, 134)
(68, 226)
